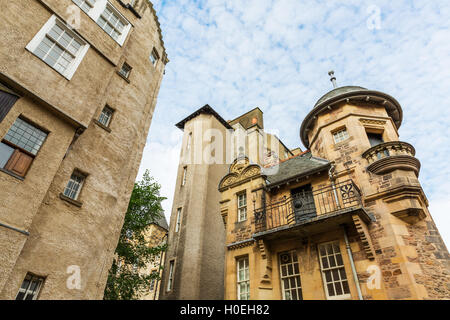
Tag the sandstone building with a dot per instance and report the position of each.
(345, 219)
(78, 87)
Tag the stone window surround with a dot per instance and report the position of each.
(238, 194)
(38, 38)
(72, 201)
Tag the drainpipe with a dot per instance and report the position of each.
(352, 263)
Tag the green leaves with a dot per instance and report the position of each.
(128, 278)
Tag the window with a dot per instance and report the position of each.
(29, 290)
(106, 116)
(242, 207)
(107, 17)
(125, 71)
(340, 135)
(153, 281)
(74, 185)
(154, 57)
(243, 279)
(112, 22)
(170, 280)
(290, 276)
(85, 5)
(184, 176)
(333, 271)
(177, 225)
(20, 146)
(189, 142)
(58, 46)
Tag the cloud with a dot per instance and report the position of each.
(238, 54)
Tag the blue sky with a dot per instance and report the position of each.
(238, 54)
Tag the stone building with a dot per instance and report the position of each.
(78, 87)
(345, 219)
(194, 266)
(156, 235)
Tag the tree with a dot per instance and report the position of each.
(133, 251)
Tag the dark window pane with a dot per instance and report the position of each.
(330, 289)
(296, 271)
(346, 288)
(325, 262)
(294, 295)
(338, 288)
(336, 275)
(342, 272)
(290, 269)
(20, 296)
(339, 260)
(328, 276)
(332, 262)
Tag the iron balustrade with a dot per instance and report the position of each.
(307, 205)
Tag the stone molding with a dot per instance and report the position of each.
(241, 171)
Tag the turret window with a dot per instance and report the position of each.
(340, 135)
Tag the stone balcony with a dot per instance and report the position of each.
(389, 156)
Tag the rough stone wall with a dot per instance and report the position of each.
(61, 234)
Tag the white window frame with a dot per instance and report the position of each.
(242, 209)
(81, 184)
(340, 135)
(90, 3)
(99, 8)
(178, 222)
(245, 280)
(344, 296)
(103, 115)
(39, 37)
(290, 274)
(27, 291)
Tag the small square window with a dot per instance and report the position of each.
(125, 70)
(74, 185)
(154, 57)
(29, 290)
(106, 116)
(340, 135)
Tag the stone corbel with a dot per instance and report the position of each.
(266, 265)
(364, 236)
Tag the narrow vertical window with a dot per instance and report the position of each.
(74, 185)
(125, 70)
(178, 223)
(242, 207)
(106, 116)
(184, 176)
(188, 145)
(333, 271)
(243, 279)
(20, 146)
(290, 276)
(340, 135)
(170, 280)
(29, 290)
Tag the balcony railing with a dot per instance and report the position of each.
(306, 206)
(390, 156)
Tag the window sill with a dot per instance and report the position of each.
(101, 125)
(123, 77)
(70, 200)
(12, 174)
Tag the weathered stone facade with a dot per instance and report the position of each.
(365, 200)
(43, 232)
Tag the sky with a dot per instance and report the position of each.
(275, 54)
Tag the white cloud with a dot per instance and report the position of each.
(238, 54)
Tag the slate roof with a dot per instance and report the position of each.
(297, 167)
(162, 222)
(205, 109)
(338, 91)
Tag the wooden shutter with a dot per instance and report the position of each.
(7, 100)
(19, 163)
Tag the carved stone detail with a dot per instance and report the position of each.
(266, 265)
(240, 171)
(364, 236)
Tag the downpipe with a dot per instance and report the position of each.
(352, 263)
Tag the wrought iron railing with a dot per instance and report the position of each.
(307, 205)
